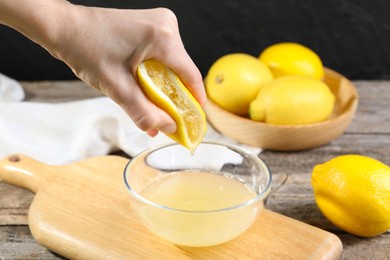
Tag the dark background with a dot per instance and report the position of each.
(350, 36)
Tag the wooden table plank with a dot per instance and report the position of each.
(369, 134)
(17, 243)
(14, 204)
(58, 91)
(373, 109)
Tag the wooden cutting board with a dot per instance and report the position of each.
(82, 211)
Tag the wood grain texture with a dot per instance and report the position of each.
(368, 134)
(82, 211)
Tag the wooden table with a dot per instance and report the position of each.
(369, 134)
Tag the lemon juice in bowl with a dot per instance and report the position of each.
(198, 200)
(199, 192)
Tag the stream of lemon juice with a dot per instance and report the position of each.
(198, 198)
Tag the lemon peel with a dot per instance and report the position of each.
(293, 100)
(353, 192)
(290, 58)
(234, 80)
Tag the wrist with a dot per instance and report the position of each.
(50, 29)
(58, 28)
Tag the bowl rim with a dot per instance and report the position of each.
(262, 194)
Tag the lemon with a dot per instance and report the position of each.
(288, 58)
(234, 80)
(293, 100)
(353, 192)
(163, 87)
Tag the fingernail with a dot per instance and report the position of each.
(168, 128)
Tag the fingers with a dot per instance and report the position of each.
(152, 133)
(158, 38)
(166, 46)
(146, 115)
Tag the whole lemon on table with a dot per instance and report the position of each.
(288, 58)
(353, 192)
(293, 100)
(234, 80)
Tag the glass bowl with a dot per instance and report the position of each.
(200, 199)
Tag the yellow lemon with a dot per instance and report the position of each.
(234, 80)
(163, 87)
(288, 58)
(293, 100)
(353, 192)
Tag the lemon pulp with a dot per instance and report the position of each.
(163, 87)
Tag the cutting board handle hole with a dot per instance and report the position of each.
(14, 158)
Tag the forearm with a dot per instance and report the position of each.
(104, 46)
(39, 20)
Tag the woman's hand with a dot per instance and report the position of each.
(104, 46)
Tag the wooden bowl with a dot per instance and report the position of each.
(290, 137)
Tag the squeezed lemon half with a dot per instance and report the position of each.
(163, 87)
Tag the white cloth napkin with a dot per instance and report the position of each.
(66, 132)
(10, 90)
